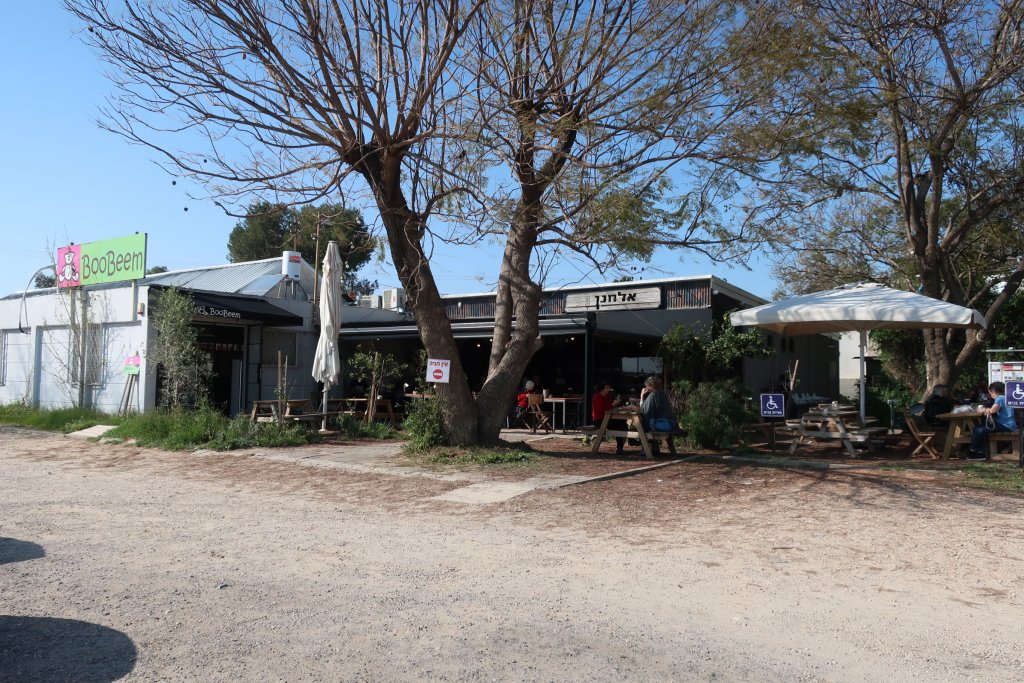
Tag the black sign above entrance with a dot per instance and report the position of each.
(237, 308)
(614, 300)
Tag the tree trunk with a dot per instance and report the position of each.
(517, 297)
(405, 230)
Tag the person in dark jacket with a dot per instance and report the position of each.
(937, 404)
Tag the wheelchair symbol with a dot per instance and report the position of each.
(770, 404)
(1018, 392)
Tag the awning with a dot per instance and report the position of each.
(241, 308)
(461, 330)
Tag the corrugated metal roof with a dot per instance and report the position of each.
(230, 278)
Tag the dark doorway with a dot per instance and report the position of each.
(224, 348)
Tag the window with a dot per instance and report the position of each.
(276, 340)
(96, 355)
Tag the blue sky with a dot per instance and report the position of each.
(63, 179)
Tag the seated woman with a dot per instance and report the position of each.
(1001, 421)
(600, 404)
(522, 403)
(656, 409)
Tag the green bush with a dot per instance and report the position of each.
(182, 429)
(424, 422)
(351, 427)
(242, 432)
(715, 413)
(877, 403)
(60, 420)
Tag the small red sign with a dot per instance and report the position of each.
(438, 373)
(294, 258)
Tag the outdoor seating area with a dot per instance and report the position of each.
(301, 411)
(840, 423)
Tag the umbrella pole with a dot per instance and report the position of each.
(323, 409)
(863, 374)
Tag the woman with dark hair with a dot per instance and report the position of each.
(600, 404)
(998, 418)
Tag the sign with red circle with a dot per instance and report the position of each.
(438, 369)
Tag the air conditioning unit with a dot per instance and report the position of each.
(393, 299)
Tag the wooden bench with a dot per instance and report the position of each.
(1012, 438)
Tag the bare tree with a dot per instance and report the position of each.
(917, 105)
(302, 98)
(414, 102)
(590, 110)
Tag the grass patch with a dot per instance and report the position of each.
(181, 429)
(510, 455)
(996, 476)
(60, 420)
(1006, 477)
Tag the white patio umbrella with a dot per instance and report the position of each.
(859, 308)
(327, 361)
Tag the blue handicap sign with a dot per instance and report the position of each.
(1015, 394)
(773, 405)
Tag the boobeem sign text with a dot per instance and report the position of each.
(113, 260)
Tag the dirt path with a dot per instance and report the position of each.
(122, 561)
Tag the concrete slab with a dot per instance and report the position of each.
(487, 492)
(93, 432)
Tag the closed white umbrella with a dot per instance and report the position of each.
(861, 307)
(327, 360)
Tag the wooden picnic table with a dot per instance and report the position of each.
(357, 407)
(960, 427)
(263, 411)
(835, 424)
(634, 430)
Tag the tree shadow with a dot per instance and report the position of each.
(13, 550)
(51, 649)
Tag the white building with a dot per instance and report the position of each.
(245, 314)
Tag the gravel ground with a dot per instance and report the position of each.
(125, 562)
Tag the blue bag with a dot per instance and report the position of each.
(660, 424)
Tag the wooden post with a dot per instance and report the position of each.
(280, 388)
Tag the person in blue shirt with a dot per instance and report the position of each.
(998, 418)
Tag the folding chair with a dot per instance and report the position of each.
(539, 418)
(922, 433)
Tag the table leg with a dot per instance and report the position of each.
(645, 443)
(952, 436)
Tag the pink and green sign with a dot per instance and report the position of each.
(113, 260)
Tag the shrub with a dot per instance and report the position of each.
(350, 426)
(715, 414)
(182, 429)
(424, 422)
(242, 432)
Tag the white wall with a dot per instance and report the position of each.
(38, 363)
